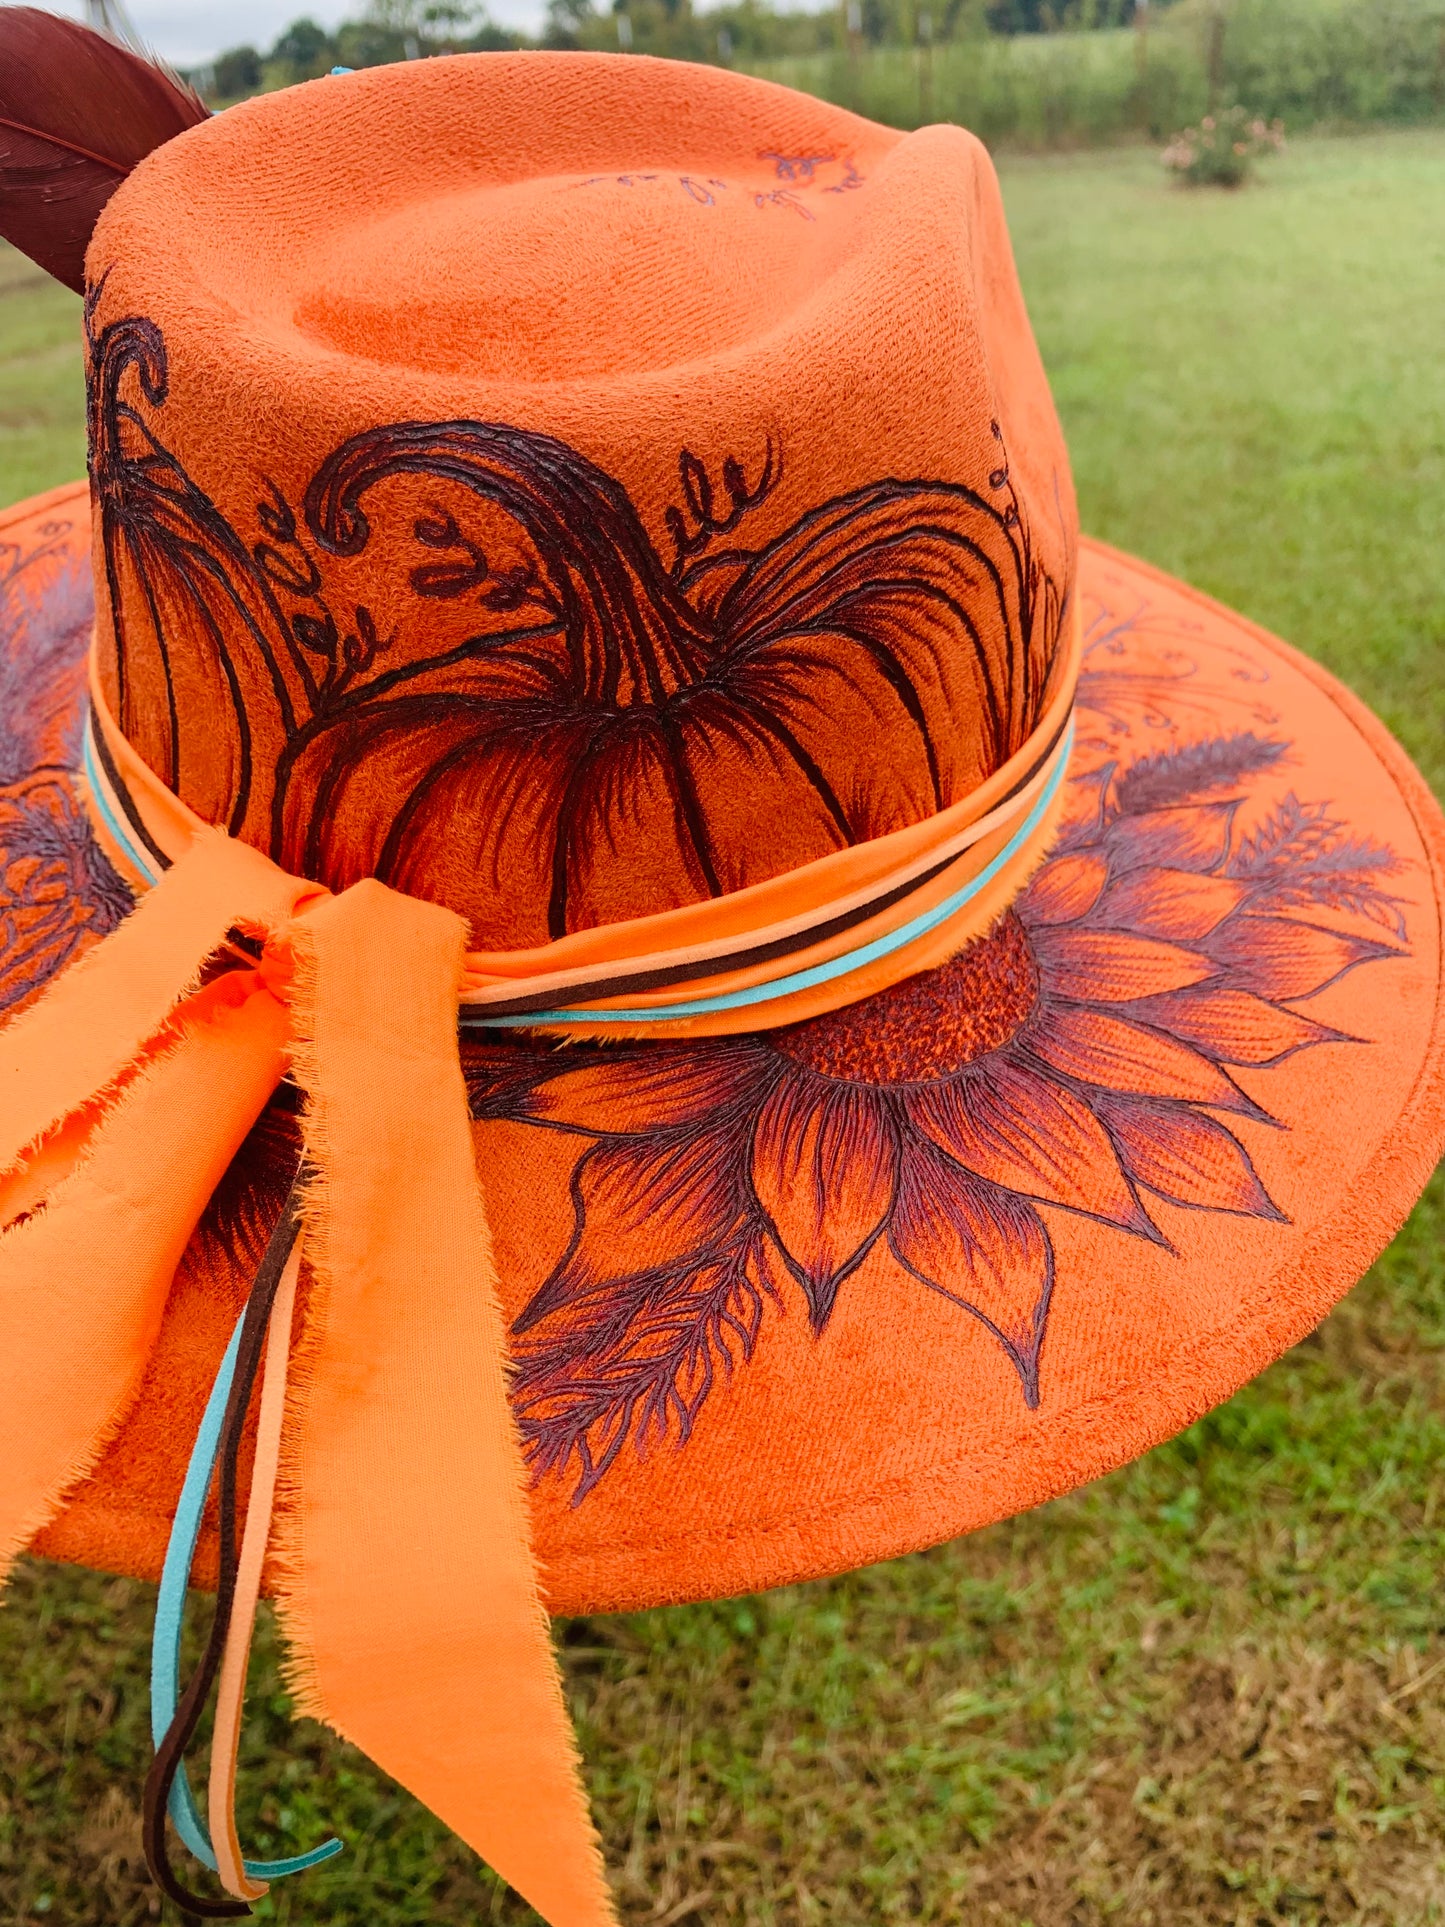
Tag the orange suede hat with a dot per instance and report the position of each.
(580, 559)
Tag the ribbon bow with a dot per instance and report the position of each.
(406, 1578)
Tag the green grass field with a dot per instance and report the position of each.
(1210, 1689)
(42, 381)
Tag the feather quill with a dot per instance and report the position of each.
(77, 112)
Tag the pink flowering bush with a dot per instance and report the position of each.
(1222, 149)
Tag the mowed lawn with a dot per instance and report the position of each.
(1210, 1689)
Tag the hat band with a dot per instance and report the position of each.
(814, 939)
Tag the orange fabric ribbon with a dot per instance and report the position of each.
(408, 1587)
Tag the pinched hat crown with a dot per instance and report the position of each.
(561, 537)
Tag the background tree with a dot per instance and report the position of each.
(304, 50)
(236, 73)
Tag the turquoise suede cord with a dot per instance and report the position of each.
(166, 1639)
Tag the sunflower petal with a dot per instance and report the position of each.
(1191, 836)
(658, 1088)
(1109, 967)
(1280, 959)
(1099, 1048)
(1084, 795)
(1065, 889)
(503, 1071)
(1235, 1026)
(1187, 1158)
(1174, 904)
(1020, 1129)
(982, 1247)
(823, 1170)
(642, 1207)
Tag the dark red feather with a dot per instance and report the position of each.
(77, 113)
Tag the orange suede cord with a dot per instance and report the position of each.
(411, 1595)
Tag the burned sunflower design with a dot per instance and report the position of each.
(57, 892)
(1083, 1057)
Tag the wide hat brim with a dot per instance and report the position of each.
(786, 1304)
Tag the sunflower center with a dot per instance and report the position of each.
(930, 1025)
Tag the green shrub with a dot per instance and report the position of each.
(1222, 149)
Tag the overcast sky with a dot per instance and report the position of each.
(188, 32)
